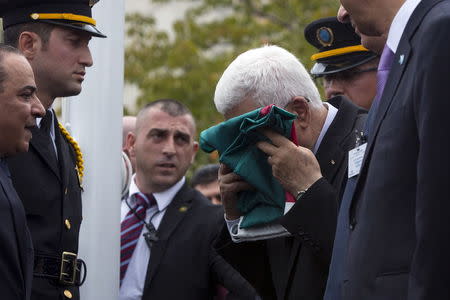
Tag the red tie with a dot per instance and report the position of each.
(131, 229)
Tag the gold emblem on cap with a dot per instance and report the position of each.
(183, 209)
(325, 36)
(35, 16)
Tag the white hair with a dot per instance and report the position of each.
(269, 75)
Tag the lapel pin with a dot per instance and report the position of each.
(183, 209)
(401, 59)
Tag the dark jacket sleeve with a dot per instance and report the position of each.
(314, 218)
(250, 260)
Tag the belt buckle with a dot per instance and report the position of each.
(68, 270)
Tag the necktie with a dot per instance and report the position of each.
(46, 123)
(45, 127)
(338, 260)
(387, 57)
(131, 229)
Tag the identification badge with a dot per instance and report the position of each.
(355, 158)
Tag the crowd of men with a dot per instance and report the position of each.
(363, 213)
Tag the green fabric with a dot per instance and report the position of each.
(235, 140)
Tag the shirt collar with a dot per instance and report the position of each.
(331, 113)
(399, 23)
(163, 199)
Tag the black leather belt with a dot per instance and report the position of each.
(65, 270)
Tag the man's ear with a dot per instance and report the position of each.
(131, 140)
(300, 106)
(29, 43)
(195, 147)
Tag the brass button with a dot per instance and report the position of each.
(67, 222)
(68, 294)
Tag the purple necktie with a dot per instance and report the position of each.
(383, 70)
(387, 57)
(131, 228)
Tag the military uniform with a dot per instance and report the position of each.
(46, 180)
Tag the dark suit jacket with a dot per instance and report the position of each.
(183, 263)
(297, 267)
(51, 194)
(400, 214)
(16, 252)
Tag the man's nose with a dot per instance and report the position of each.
(86, 57)
(37, 109)
(169, 147)
(343, 15)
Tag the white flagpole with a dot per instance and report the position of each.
(95, 120)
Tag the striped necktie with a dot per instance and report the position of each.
(131, 229)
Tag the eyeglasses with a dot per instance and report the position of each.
(347, 75)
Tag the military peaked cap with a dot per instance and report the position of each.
(339, 47)
(75, 14)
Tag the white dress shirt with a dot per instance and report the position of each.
(332, 111)
(399, 22)
(133, 283)
(269, 231)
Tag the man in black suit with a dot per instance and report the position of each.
(19, 108)
(293, 267)
(54, 36)
(399, 216)
(171, 255)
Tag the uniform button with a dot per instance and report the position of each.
(68, 294)
(65, 191)
(67, 223)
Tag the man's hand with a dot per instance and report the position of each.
(230, 184)
(295, 167)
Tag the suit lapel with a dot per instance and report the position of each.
(399, 65)
(175, 213)
(40, 143)
(336, 137)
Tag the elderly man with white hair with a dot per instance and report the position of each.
(313, 172)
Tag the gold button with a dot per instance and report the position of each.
(67, 222)
(332, 162)
(35, 16)
(68, 294)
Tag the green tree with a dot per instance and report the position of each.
(187, 64)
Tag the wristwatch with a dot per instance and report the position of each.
(300, 194)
